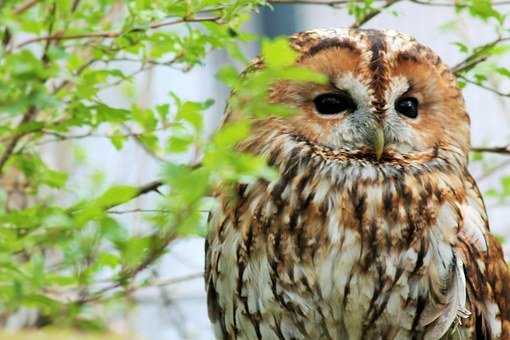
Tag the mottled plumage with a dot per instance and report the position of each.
(350, 242)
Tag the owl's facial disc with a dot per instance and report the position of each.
(388, 98)
(332, 105)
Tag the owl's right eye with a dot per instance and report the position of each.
(334, 103)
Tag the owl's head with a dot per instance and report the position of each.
(387, 97)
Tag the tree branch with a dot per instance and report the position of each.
(477, 57)
(485, 87)
(488, 173)
(170, 281)
(115, 34)
(331, 3)
(149, 187)
(59, 137)
(137, 210)
(25, 6)
(161, 241)
(337, 3)
(32, 110)
(454, 3)
(502, 150)
(9, 149)
(373, 13)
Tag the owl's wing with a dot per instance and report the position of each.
(487, 273)
(213, 306)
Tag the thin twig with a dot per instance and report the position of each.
(153, 283)
(488, 173)
(476, 57)
(171, 281)
(337, 3)
(9, 149)
(115, 34)
(141, 210)
(502, 150)
(331, 3)
(137, 210)
(75, 5)
(144, 189)
(485, 87)
(31, 111)
(372, 14)
(58, 137)
(25, 6)
(456, 4)
(162, 240)
(138, 139)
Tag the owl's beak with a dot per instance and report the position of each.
(378, 142)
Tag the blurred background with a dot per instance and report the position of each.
(177, 309)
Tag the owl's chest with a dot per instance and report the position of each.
(333, 262)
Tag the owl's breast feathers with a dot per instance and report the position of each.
(340, 247)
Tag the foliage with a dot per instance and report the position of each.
(69, 256)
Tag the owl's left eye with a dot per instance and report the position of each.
(407, 106)
(333, 103)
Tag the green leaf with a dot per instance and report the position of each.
(277, 53)
(145, 117)
(229, 75)
(107, 260)
(302, 74)
(231, 134)
(462, 47)
(476, 156)
(484, 10)
(163, 110)
(179, 144)
(118, 140)
(54, 179)
(505, 183)
(106, 113)
(192, 113)
(503, 71)
(116, 195)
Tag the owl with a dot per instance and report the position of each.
(374, 228)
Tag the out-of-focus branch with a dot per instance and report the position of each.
(485, 87)
(338, 3)
(157, 282)
(171, 281)
(331, 3)
(155, 185)
(149, 187)
(503, 150)
(25, 6)
(115, 34)
(148, 211)
(31, 112)
(160, 241)
(137, 210)
(477, 57)
(9, 149)
(494, 169)
(453, 3)
(372, 14)
(59, 137)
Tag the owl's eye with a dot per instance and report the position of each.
(407, 106)
(333, 103)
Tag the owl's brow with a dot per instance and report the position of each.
(407, 56)
(330, 43)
